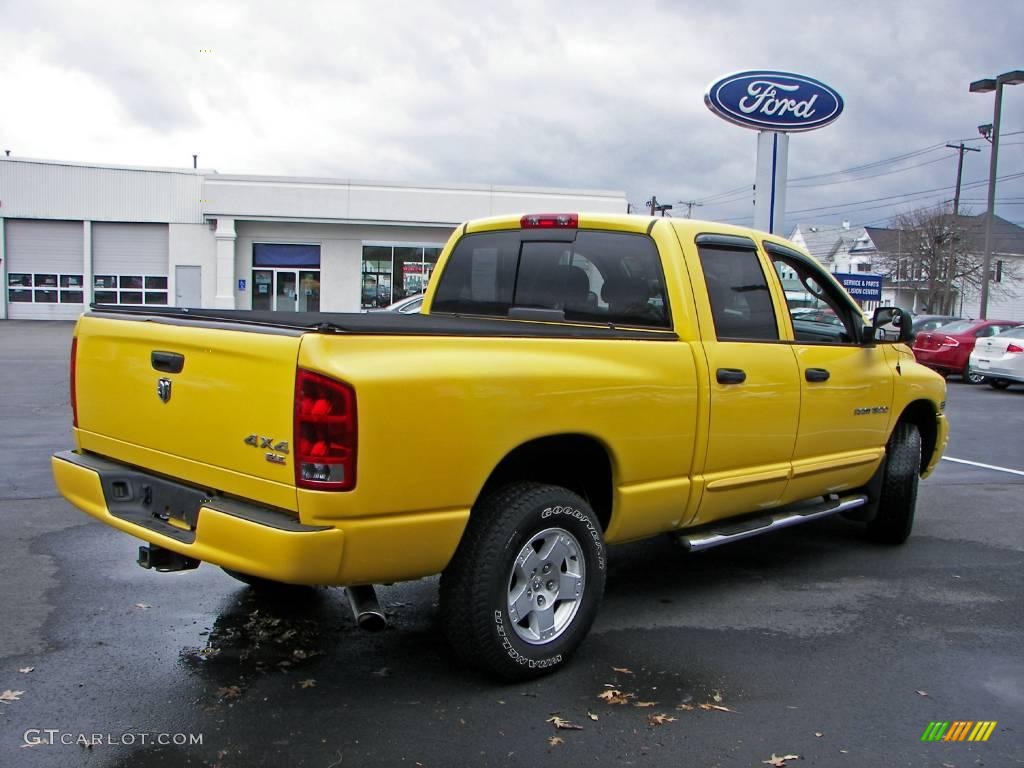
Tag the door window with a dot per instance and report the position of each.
(819, 312)
(741, 304)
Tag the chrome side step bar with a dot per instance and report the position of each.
(726, 532)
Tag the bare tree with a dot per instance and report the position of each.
(937, 255)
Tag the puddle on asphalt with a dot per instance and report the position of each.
(260, 634)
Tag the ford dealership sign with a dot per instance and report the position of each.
(774, 101)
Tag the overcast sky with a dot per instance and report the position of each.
(598, 95)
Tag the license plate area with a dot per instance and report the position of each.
(161, 505)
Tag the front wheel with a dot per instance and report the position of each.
(973, 377)
(525, 584)
(897, 496)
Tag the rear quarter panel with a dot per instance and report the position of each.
(437, 415)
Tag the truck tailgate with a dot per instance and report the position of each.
(223, 421)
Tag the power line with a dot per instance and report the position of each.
(717, 199)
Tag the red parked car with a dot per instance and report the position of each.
(948, 348)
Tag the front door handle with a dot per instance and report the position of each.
(730, 376)
(816, 374)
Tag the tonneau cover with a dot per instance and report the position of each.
(390, 323)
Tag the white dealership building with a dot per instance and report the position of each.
(75, 233)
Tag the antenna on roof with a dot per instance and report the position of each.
(195, 160)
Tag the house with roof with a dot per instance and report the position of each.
(891, 252)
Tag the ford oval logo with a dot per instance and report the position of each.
(774, 101)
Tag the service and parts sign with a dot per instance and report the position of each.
(861, 286)
(774, 101)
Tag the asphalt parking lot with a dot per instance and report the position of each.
(808, 642)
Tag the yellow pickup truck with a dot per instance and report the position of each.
(574, 381)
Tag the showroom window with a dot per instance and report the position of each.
(393, 272)
(44, 288)
(130, 289)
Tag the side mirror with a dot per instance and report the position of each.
(899, 320)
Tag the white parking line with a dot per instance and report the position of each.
(983, 466)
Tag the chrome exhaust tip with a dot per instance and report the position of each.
(365, 607)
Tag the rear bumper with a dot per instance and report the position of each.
(945, 359)
(254, 539)
(221, 535)
(995, 372)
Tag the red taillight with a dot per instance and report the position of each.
(1014, 348)
(949, 341)
(324, 433)
(550, 221)
(71, 381)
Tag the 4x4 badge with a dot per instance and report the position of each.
(163, 389)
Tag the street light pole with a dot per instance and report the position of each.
(985, 86)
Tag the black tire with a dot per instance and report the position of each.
(973, 377)
(478, 582)
(266, 586)
(998, 383)
(898, 495)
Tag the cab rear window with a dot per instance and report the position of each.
(605, 277)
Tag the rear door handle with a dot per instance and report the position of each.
(730, 376)
(816, 374)
(167, 362)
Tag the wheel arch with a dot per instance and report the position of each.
(922, 414)
(579, 462)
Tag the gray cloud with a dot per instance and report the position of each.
(594, 94)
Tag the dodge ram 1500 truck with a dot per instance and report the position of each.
(578, 380)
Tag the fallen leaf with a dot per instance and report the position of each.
(230, 692)
(143, 606)
(622, 670)
(309, 682)
(819, 734)
(554, 741)
(921, 693)
(717, 697)
(26, 670)
(779, 762)
(591, 715)
(613, 696)
(644, 703)
(10, 695)
(660, 719)
(685, 707)
(716, 708)
(564, 725)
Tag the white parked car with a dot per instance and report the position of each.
(1000, 358)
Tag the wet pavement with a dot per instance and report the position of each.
(807, 642)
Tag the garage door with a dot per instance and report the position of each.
(44, 269)
(129, 263)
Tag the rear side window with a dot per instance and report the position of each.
(604, 277)
(741, 304)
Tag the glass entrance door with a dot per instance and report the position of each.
(286, 290)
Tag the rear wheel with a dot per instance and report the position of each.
(998, 383)
(898, 493)
(973, 377)
(526, 582)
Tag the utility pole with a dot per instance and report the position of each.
(951, 264)
(655, 206)
(689, 206)
(960, 148)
